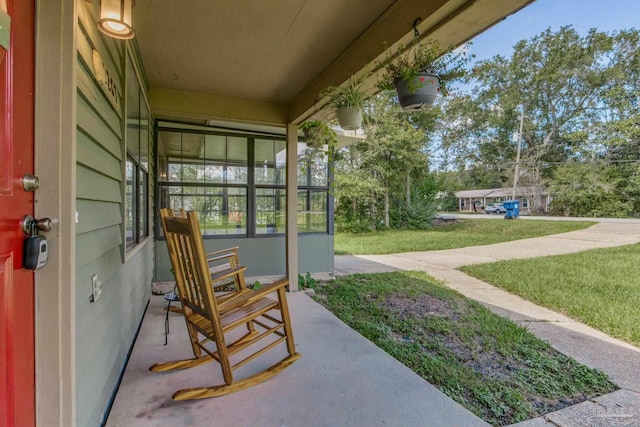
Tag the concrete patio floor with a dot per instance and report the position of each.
(343, 379)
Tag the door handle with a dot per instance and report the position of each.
(29, 224)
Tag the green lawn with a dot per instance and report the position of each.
(599, 287)
(468, 232)
(493, 367)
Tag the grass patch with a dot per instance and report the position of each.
(493, 367)
(468, 232)
(599, 287)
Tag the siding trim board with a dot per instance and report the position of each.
(55, 152)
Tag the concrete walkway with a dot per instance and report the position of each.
(619, 360)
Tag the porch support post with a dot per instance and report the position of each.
(292, 206)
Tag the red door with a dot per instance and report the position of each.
(17, 372)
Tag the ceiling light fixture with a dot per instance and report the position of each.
(115, 18)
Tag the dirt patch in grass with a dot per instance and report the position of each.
(493, 367)
(485, 362)
(422, 305)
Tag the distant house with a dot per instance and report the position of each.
(476, 200)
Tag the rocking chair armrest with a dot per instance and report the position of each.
(222, 254)
(219, 257)
(227, 273)
(230, 251)
(241, 300)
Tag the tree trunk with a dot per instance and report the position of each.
(408, 191)
(537, 191)
(386, 208)
(373, 210)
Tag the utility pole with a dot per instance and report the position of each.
(515, 176)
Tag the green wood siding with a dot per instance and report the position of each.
(110, 49)
(95, 157)
(105, 267)
(104, 349)
(92, 124)
(90, 246)
(92, 185)
(97, 215)
(93, 95)
(105, 329)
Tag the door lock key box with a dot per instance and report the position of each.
(36, 252)
(36, 249)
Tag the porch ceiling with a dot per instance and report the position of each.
(265, 62)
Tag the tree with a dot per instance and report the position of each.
(575, 93)
(395, 150)
(475, 142)
(375, 179)
(356, 193)
(589, 190)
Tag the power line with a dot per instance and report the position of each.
(570, 162)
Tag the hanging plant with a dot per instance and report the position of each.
(420, 71)
(348, 101)
(317, 133)
(321, 140)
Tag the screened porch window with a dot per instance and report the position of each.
(270, 179)
(237, 183)
(207, 174)
(313, 186)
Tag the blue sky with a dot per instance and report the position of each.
(605, 15)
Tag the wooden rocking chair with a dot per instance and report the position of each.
(211, 321)
(218, 261)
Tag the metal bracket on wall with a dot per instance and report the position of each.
(5, 29)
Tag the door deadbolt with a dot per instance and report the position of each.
(30, 182)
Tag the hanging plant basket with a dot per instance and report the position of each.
(420, 93)
(317, 134)
(347, 101)
(313, 138)
(350, 118)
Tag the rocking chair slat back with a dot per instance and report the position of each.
(189, 279)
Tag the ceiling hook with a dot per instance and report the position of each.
(416, 33)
